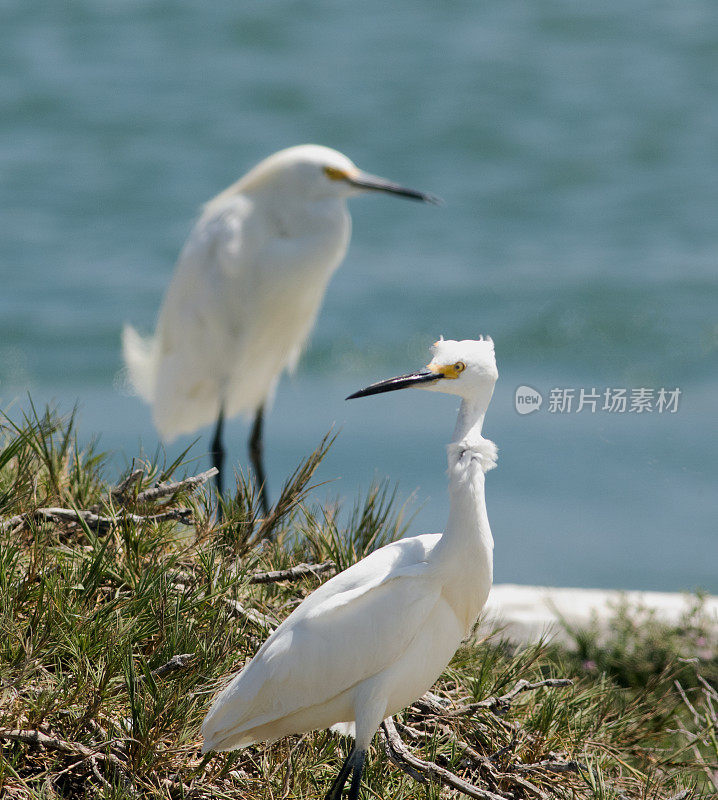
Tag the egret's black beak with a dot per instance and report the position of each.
(363, 180)
(402, 382)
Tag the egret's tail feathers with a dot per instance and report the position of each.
(226, 743)
(344, 728)
(140, 358)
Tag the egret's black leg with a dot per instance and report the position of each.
(359, 757)
(218, 450)
(255, 455)
(335, 792)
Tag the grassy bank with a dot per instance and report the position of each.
(124, 606)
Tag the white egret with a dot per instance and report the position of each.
(374, 638)
(245, 294)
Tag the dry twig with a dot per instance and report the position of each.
(172, 487)
(102, 522)
(503, 702)
(423, 770)
(175, 664)
(93, 520)
(266, 621)
(120, 492)
(37, 738)
(293, 573)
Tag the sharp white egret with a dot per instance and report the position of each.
(374, 638)
(245, 294)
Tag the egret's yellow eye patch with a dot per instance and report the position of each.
(335, 174)
(448, 370)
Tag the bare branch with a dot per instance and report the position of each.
(12, 522)
(505, 700)
(682, 795)
(696, 716)
(293, 573)
(550, 765)
(430, 705)
(423, 770)
(93, 520)
(175, 664)
(120, 491)
(39, 739)
(96, 772)
(172, 487)
(478, 759)
(265, 621)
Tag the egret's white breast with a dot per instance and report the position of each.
(286, 280)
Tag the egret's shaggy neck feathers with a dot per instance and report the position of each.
(467, 539)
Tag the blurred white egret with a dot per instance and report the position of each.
(374, 638)
(245, 294)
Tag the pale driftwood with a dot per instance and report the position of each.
(12, 522)
(92, 755)
(266, 621)
(172, 487)
(482, 762)
(39, 739)
(432, 705)
(684, 794)
(122, 488)
(293, 573)
(429, 704)
(428, 770)
(505, 700)
(93, 520)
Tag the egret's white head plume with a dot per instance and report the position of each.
(468, 365)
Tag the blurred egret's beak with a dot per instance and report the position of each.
(402, 382)
(363, 180)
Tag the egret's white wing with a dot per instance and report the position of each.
(240, 306)
(351, 628)
(202, 322)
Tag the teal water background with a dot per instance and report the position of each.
(576, 147)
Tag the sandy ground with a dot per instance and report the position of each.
(526, 612)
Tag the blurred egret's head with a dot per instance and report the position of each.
(311, 172)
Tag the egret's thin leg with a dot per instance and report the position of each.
(255, 455)
(335, 791)
(218, 450)
(359, 757)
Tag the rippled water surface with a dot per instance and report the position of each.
(576, 146)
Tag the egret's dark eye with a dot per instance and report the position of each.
(459, 366)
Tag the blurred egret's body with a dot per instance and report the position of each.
(374, 638)
(246, 292)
